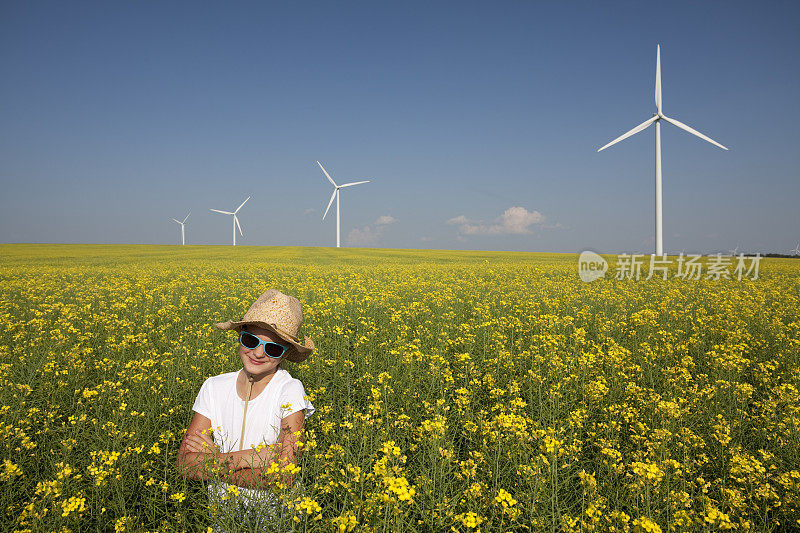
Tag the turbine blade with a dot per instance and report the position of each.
(351, 184)
(223, 212)
(329, 203)
(236, 219)
(187, 216)
(178, 221)
(635, 130)
(683, 126)
(326, 174)
(658, 78)
(240, 205)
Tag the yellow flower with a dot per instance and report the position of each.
(121, 524)
(73, 504)
(345, 523)
(469, 519)
(504, 498)
(645, 525)
(308, 506)
(10, 470)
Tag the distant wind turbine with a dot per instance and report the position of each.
(796, 250)
(235, 219)
(657, 118)
(183, 224)
(734, 251)
(336, 195)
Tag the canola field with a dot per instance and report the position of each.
(455, 391)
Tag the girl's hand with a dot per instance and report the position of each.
(198, 442)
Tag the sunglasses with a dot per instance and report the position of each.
(272, 349)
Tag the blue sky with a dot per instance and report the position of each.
(477, 122)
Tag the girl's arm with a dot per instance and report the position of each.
(192, 455)
(257, 469)
(198, 456)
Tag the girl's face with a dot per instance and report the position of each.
(255, 361)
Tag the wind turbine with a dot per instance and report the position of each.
(336, 195)
(734, 251)
(183, 234)
(235, 219)
(796, 250)
(657, 118)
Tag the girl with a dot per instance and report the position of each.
(255, 414)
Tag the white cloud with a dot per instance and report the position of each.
(460, 219)
(516, 220)
(385, 219)
(309, 210)
(513, 221)
(365, 236)
(426, 239)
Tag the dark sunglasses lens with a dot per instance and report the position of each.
(273, 350)
(249, 340)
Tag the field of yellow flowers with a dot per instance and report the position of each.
(455, 391)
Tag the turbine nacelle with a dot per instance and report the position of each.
(184, 219)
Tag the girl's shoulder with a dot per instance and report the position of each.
(222, 380)
(286, 377)
(290, 385)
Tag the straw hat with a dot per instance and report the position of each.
(280, 314)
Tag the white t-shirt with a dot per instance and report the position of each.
(219, 402)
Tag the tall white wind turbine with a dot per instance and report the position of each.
(796, 250)
(183, 224)
(235, 219)
(336, 195)
(657, 118)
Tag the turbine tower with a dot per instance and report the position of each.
(235, 219)
(657, 118)
(183, 224)
(336, 195)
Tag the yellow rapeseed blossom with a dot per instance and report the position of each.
(10, 470)
(645, 525)
(345, 523)
(470, 520)
(74, 504)
(121, 524)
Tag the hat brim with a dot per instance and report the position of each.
(296, 353)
